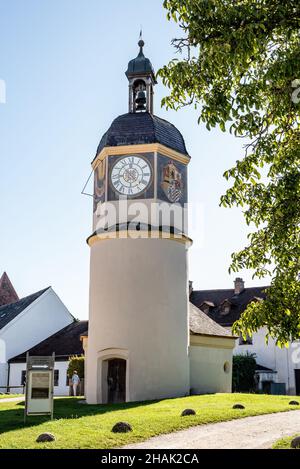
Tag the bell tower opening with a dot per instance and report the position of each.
(139, 96)
(141, 76)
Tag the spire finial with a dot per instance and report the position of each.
(141, 42)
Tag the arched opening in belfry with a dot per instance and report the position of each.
(139, 95)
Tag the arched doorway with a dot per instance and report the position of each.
(116, 380)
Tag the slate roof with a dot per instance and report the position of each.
(238, 302)
(7, 292)
(64, 343)
(201, 324)
(12, 310)
(140, 65)
(136, 128)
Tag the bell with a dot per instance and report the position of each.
(141, 101)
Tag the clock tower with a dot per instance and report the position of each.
(138, 312)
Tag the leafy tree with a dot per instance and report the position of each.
(243, 373)
(240, 66)
(76, 363)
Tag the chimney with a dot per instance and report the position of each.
(239, 285)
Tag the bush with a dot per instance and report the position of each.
(243, 373)
(76, 363)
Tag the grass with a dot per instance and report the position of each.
(89, 426)
(8, 396)
(284, 443)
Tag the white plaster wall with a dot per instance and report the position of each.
(16, 376)
(139, 303)
(207, 369)
(284, 361)
(40, 320)
(62, 389)
(3, 375)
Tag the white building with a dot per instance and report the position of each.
(26, 322)
(274, 365)
(65, 343)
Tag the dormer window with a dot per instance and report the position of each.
(206, 306)
(225, 307)
(247, 341)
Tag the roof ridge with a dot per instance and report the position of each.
(25, 297)
(229, 289)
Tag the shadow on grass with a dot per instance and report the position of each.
(70, 408)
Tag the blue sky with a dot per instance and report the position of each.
(63, 62)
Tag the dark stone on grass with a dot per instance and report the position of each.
(186, 412)
(238, 406)
(293, 403)
(295, 443)
(122, 427)
(45, 438)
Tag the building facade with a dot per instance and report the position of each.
(27, 322)
(278, 369)
(65, 343)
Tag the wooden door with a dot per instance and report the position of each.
(116, 381)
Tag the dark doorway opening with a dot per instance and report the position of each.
(297, 381)
(116, 381)
(266, 387)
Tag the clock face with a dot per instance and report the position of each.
(131, 175)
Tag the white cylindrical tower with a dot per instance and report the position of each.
(138, 336)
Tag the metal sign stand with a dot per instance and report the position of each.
(39, 386)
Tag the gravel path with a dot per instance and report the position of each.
(248, 433)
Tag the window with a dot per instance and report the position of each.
(247, 341)
(225, 307)
(23, 377)
(56, 377)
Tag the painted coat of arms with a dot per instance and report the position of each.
(99, 184)
(172, 183)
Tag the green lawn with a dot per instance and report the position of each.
(284, 443)
(7, 396)
(89, 426)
